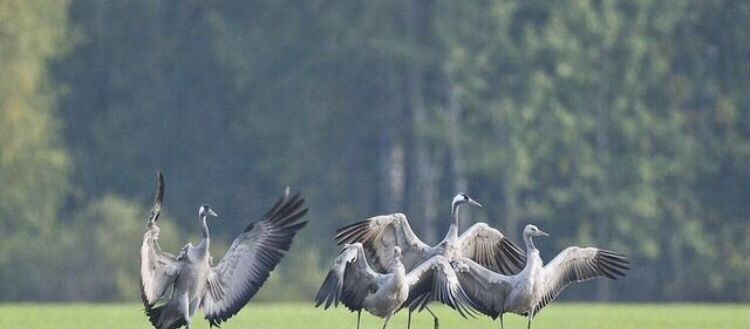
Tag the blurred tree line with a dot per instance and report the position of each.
(621, 124)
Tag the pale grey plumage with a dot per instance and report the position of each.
(354, 283)
(174, 287)
(527, 292)
(481, 243)
(158, 268)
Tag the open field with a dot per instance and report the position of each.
(290, 316)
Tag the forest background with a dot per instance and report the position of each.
(619, 124)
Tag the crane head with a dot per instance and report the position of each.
(532, 230)
(463, 198)
(205, 210)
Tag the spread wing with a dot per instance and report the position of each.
(158, 268)
(491, 249)
(349, 281)
(251, 258)
(486, 289)
(577, 264)
(435, 279)
(380, 234)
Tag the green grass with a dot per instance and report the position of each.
(290, 316)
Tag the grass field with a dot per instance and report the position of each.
(290, 316)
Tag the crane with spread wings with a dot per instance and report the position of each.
(537, 285)
(354, 283)
(481, 243)
(173, 287)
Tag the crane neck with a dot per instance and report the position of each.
(453, 230)
(533, 261)
(454, 213)
(204, 229)
(398, 269)
(530, 247)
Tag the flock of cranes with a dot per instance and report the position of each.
(382, 268)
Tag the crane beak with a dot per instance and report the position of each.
(474, 203)
(211, 212)
(543, 233)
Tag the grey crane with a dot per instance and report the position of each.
(353, 282)
(480, 242)
(537, 285)
(174, 287)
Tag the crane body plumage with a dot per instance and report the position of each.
(534, 287)
(354, 283)
(173, 288)
(480, 242)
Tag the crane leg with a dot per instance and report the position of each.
(387, 318)
(359, 316)
(501, 322)
(528, 326)
(434, 317)
(408, 322)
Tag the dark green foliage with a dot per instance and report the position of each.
(621, 124)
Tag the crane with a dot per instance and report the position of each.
(480, 242)
(537, 285)
(174, 287)
(353, 282)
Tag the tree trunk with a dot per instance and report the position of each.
(454, 130)
(390, 150)
(747, 252)
(422, 189)
(601, 215)
(678, 269)
(511, 209)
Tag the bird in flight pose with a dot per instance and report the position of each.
(537, 285)
(174, 287)
(481, 243)
(353, 282)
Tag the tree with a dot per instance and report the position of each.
(34, 165)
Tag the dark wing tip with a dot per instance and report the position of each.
(515, 256)
(355, 232)
(330, 291)
(279, 227)
(158, 321)
(285, 212)
(612, 265)
(159, 197)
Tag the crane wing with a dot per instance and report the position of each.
(486, 289)
(158, 268)
(491, 249)
(251, 258)
(380, 234)
(577, 264)
(349, 281)
(435, 279)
